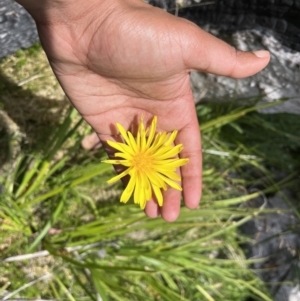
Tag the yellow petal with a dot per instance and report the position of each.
(119, 176)
(121, 147)
(137, 193)
(142, 194)
(170, 163)
(156, 180)
(143, 139)
(110, 161)
(128, 190)
(171, 138)
(170, 182)
(123, 133)
(162, 150)
(171, 153)
(147, 188)
(123, 155)
(152, 131)
(121, 162)
(158, 142)
(158, 195)
(133, 143)
(170, 174)
(138, 141)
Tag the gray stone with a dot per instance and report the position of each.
(276, 239)
(17, 29)
(280, 79)
(250, 25)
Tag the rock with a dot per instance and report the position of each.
(280, 79)
(276, 239)
(17, 29)
(250, 25)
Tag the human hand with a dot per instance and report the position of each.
(119, 59)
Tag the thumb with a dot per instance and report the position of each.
(206, 53)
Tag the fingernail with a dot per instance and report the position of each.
(262, 53)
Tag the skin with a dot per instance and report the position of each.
(119, 59)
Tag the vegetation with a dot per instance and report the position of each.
(65, 236)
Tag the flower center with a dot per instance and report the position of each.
(142, 162)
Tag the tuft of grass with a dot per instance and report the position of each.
(99, 248)
(65, 236)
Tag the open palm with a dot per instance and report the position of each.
(132, 60)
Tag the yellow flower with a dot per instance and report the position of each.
(151, 161)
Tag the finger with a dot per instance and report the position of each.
(191, 173)
(152, 209)
(206, 53)
(91, 141)
(171, 206)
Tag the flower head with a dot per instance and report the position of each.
(150, 160)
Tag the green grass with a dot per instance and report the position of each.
(65, 236)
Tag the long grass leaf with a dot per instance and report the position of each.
(238, 113)
(64, 289)
(29, 173)
(98, 170)
(48, 225)
(204, 293)
(41, 177)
